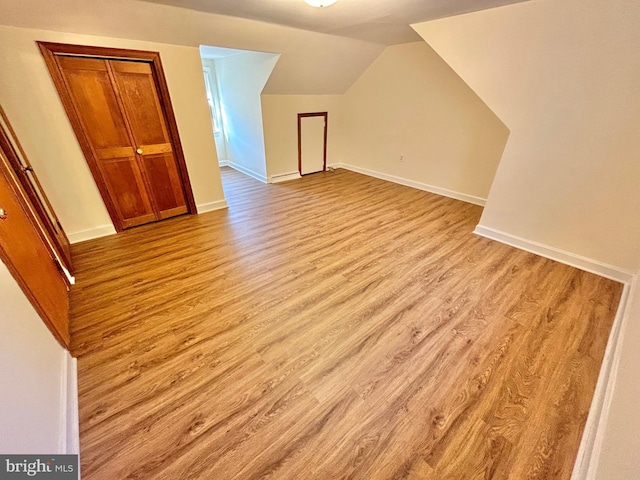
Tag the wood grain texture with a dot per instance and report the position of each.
(338, 326)
(29, 256)
(18, 160)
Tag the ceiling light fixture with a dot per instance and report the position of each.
(320, 3)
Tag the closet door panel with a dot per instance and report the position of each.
(96, 103)
(142, 105)
(126, 187)
(93, 96)
(23, 248)
(137, 88)
(165, 184)
(28, 179)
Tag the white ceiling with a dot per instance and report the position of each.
(385, 22)
(213, 53)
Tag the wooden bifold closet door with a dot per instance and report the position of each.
(28, 255)
(121, 122)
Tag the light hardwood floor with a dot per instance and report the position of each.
(337, 326)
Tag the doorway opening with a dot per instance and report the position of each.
(234, 80)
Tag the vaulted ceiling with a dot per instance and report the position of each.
(385, 22)
(324, 55)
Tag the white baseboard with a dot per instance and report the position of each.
(97, 232)
(284, 177)
(588, 458)
(246, 171)
(223, 163)
(412, 183)
(69, 442)
(592, 438)
(562, 256)
(106, 230)
(211, 206)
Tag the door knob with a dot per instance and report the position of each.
(3, 214)
(139, 151)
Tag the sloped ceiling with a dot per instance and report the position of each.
(379, 21)
(311, 63)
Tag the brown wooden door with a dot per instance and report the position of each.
(25, 251)
(95, 100)
(123, 120)
(27, 177)
(139, 94)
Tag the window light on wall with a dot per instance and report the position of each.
(212, 99)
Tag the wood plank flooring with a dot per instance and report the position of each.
(333, 327)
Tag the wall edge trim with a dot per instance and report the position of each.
(64, 403)
(72, 427)
(91, 233)
(246, 171)
(284, 177)
(591, 443)
(568, 258)
(413, 184)
(588, 457)
(211, 206)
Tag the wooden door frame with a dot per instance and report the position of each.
(11, 177)
(19, 161)
(324, 153)
(51, 50)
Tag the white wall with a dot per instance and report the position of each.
(409, 102)
(241, 79)
(311, 63)
(34, 108)
(563, 75)
(32, 378)
(620, 457)
(280, 116)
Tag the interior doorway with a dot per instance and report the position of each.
(234, 81)
(312, 142)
